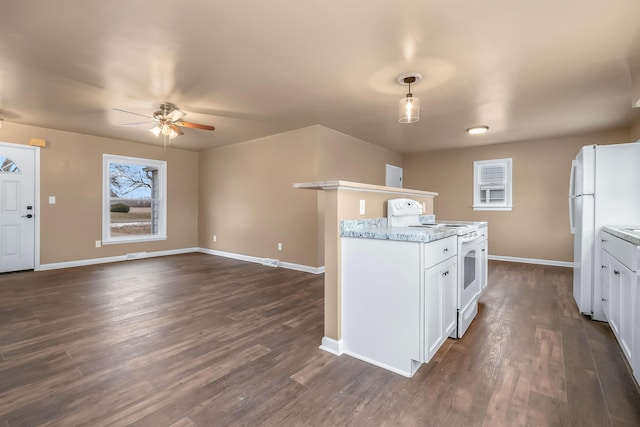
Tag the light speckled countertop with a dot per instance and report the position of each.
(377, 228)
(625, 233)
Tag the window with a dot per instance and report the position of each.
(8, 166)
(492, 185)
(134, 202)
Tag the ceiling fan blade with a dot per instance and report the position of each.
(131, 112)
(135, 123)
(194, 125)
(175, 129)
(175, 115)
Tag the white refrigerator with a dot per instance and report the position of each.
(604, 190)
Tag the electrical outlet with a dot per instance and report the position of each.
(98, 243)
(362, 207)
(52, 200)
(279, 246)
(215, 238)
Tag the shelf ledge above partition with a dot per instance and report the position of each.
(358, 186)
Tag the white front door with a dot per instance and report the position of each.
(17, 208)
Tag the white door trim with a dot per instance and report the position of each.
(36, 207)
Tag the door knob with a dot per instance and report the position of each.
(27, 216)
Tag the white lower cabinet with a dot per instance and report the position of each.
(621, 303)
(440, 309)
(398, 305)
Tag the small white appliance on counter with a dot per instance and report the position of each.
(471, 258)
(604, 190)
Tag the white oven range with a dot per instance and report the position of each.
(471, 258)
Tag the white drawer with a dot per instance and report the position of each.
(620, 249)
(438, 251)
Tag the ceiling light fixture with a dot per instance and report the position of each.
(409, 106)
(478, 130)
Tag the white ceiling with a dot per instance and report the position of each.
(527, 69)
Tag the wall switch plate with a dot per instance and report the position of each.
(52, 200)
(279, 246)
(362, 207)
(215, 238)
(98, 243)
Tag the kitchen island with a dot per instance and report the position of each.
(398, 293)
(346, 200)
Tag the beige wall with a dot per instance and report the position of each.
(343, 157)
(71, 170)
(247, 199)
(538, 225)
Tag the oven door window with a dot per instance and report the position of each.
(469, 268)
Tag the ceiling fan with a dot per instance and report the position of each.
(169, 120)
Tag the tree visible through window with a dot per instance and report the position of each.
(134, 199)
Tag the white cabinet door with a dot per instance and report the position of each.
(450, 287)
(440, 305)
(615, 311)
(626, 310)
(605, 271)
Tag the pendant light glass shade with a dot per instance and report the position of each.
(409, 109)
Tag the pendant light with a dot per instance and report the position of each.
(409, 106)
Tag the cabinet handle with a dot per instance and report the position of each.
(616, 272)
(604, 300)
(446, 273)
(445, 250)
(604, 266)
(483, 250)
(604, 240)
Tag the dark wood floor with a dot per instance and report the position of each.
(198, 340)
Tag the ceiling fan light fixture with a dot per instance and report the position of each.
(409, 106)
(156, 130)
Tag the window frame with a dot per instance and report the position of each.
(161, 165)
(507, 204)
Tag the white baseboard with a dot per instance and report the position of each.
(126, 257)
(379, 364)
(531, 261)
(257, 260)
(300, 267)
(141, 255)
(331, 346)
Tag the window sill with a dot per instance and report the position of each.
(133, 240)
(492, 208)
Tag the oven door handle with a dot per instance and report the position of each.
(470, 239)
